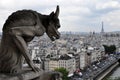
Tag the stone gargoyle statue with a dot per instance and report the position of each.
(19, 29)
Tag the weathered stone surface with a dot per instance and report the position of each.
(26, 75)
(31, 75)
(19, 29)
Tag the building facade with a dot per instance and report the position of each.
(64, 61)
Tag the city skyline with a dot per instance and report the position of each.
(75, 15)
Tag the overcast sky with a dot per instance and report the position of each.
(75, 15)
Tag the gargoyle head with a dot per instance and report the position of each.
(54, 25)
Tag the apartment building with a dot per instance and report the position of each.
(65, 61)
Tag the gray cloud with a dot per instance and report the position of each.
(75, 15)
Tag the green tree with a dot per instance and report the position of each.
(109, 49)
(64, 73)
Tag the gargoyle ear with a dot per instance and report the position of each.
(51, 14)
(57, 11)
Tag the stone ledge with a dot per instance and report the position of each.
(26, 75)
(31, 75)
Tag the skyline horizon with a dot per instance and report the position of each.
(75, 15)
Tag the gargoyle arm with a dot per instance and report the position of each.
(17, 34)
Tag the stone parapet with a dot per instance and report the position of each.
(31, 75)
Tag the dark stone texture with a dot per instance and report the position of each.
(26, 75)
(31, 75)
(19, 29)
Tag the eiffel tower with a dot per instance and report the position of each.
(102, 30)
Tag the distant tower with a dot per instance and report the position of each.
(102, 30)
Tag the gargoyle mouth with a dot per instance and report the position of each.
(53, 38)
